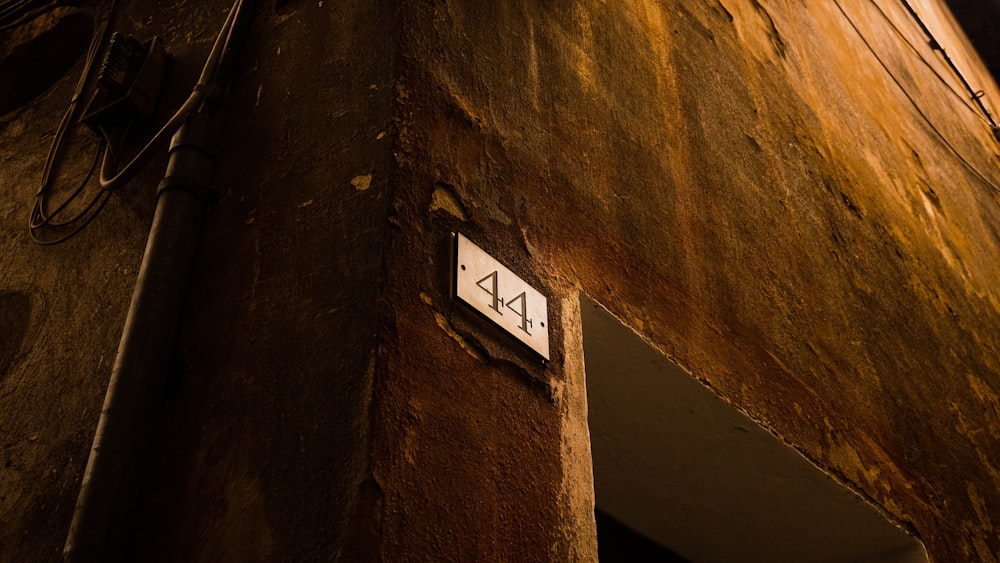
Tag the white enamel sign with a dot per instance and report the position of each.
(501, 296)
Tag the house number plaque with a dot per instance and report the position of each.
(501, 296)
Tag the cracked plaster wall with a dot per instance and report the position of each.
(744, 184)
(739, 180)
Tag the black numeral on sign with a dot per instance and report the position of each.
(489, 285)
(492, 290)
(521, 311)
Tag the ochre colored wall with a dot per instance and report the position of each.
(740, 181)
(746, 186)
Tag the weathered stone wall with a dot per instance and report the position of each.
(741, 181)
(263, 442)
(745, 185)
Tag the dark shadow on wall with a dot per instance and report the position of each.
(616, 542)
(35, 55)
(15, 317)
(681, 467)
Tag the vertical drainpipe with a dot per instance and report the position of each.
(108, 494)
(100, 529)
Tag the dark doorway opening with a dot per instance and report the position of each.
(682, 468)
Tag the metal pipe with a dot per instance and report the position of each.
(101, 529)
(100, 526)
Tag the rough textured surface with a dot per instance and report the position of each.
(264, 447)
(263, 440)
(577, 519)
(467, 429)
(745, 185)
(741, 181)
(62, 313)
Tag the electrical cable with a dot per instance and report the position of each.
(194, 100)
(109, 178)
(930, 66)
(916, 106)
(17, 12)
(39, 216)
(976, 95)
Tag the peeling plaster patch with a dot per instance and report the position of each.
(994, 473)
(362, 183)
(532, 249)
(444, 198)
(756, 28)
(979, 505)
(847, 459)
(777, 41)
(984, 392)
(985, 524)
(495, 213)
(892, 507)
(931, 205)
(450, 331)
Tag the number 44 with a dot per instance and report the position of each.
(498, 301)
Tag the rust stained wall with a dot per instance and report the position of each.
(740, 180)
(746, 186)
(279, 407)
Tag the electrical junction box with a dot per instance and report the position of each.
(128, 84)
(498, 294)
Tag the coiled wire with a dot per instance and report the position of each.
(108, 149)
